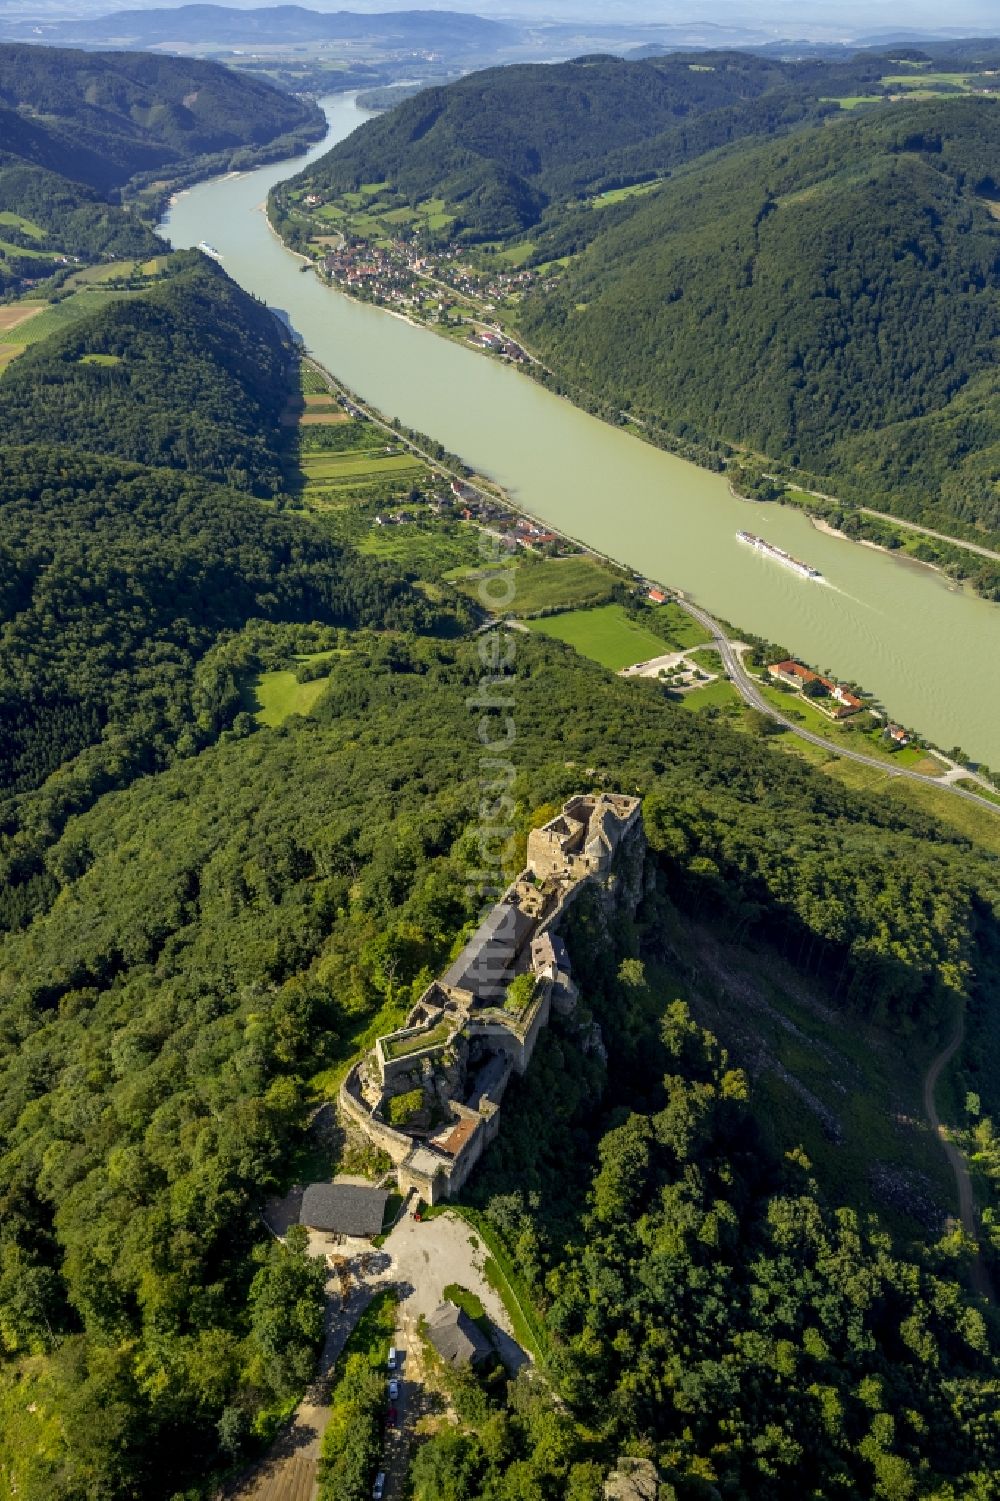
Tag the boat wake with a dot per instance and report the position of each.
(864, 603)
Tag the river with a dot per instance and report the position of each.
(927, 649)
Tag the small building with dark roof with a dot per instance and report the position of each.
(456, 1338)
(344, 1208)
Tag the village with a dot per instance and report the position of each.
(381, 250)
(445, 292)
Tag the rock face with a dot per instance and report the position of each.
(633, 1480)
(479, 1022)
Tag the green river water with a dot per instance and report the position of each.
(929, 650)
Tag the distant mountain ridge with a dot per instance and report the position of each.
(276, 23)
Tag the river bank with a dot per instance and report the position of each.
(397, 278)
(916, 642)
(824, 526)
(449, 468)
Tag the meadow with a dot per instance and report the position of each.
(547, 584)
(273, 696)
(606, 635)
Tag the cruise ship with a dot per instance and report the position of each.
(779, 555)
(207, 249)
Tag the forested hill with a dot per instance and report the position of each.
(123, 562)
(500, 145)
(193, 374)
(101, 118)
(831, 299)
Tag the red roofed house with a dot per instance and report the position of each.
(797, 676)
(793, 673)
(657, 596)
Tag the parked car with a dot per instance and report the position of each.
(378, 1489)
(393, 1417)
(393, 1357)
(393, 1390)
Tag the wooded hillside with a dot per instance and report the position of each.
(100, 118)
(501, 145)
(830, 300)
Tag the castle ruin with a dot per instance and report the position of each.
(479, 1022)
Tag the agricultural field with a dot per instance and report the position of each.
(341, 458)
(19, 251)
(606, 635)
(376, 211)
(56, 316)
(16, 313)
(617, 195)
(550, 584)
(10, 220)
(428, 548)
(918, 83)
(341, 468)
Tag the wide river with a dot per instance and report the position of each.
(927, 649)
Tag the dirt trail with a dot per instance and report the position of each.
(956, 1161)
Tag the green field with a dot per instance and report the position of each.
(57, 316)
(365, 465)
(514, 255)
(605, 634)
(718, 695)
(6, 248)
(555, 583)
(275, 695)
(616, 195)
(431, 551)
(26, 226)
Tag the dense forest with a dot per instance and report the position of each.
(100, 118)
(200, 915)
(192, 374)
(500, 146)
(830, 300)
(215, 932)
(706, 1308)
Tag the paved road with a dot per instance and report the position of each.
(927, 531)
(910, 526)
(750, 692)
(956, 1161)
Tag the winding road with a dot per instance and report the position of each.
(751, 695)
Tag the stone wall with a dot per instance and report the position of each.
(395, 1143)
